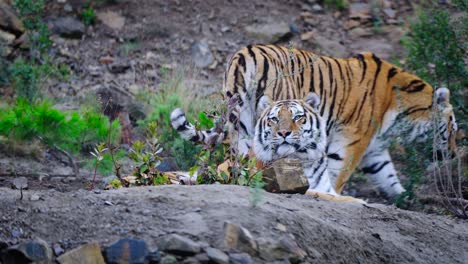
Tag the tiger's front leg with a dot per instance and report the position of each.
(377, 165)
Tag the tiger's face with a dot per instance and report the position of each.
(289, 128)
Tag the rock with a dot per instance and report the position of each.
(240, 258)
(58, 250)
(390, 13)
(179, 245)
(168, 164)
(89, 253)
(359, 32)
(37, 251)
(6, 38)
(68, 27)
(68, 8)
(317, 8)
(330, 47)
(285, 248)
(20, 183)
(237, 237)
(34, 197)
(169, 260)
(191, 260)
(307, 35)
(285, 176)
(380, 46)
(201, 54)
(119, 66)
(269, 32)
(112, 19)
(9, 20)
(153, 257)
(127, 250)
(217, 256)
(203, 258)
(359, 11)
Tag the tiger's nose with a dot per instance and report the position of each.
(284, 133)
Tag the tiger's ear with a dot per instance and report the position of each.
(263, 103)
(442, 96)
(313, 100)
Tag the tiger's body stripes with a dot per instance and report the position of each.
(363, 102)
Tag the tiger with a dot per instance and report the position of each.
(287, 101)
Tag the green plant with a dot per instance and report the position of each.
(172, 93)
(98, 157)
(25, 121)
(336, 4)
(147, 157)
(436, 51)
(88, 16)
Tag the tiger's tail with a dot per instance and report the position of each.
(188, 131)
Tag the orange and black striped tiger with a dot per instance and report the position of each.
(289, 101)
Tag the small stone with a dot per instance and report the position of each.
(6, 38)
(330, 46)
(237, 237)
(240, 258)
(307, 35)
(9, 20)
(268, 32)
(112, 19)
(153, 257)
(109, 203)
(58, 250)
(169, 260)
(317, 8)
(281, 227)
(119, 66)
(89, 253)
(285, 248)
(68, 27)
(286, 176)
(359, 10)
(306, 14)
(68, 8)
(359, 32)
(390, 13)
(179, 245)
(217, 256)
(201, 54)
(202, 257)
(32, 251)
(191, 260)
(20, 183)
(34, 197)
(127, 250)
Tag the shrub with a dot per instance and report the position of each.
(24, 121)
(436, 51)
(173, 93)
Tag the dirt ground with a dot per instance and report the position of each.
(329, 232)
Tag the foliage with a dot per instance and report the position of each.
(146, 156)
(337, 4)
(436, 50)
(88, 16)
(25, 121)
(172, 94)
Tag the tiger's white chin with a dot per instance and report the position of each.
(285, 150)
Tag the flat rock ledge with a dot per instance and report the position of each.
(217, 224)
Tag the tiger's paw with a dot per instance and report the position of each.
(334, 197)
